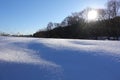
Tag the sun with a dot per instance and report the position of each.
(92, 15)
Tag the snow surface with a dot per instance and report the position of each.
(58, 59)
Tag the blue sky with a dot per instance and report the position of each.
(28, 16)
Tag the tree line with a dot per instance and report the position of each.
(77, 26)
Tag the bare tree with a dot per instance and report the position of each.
(113, 7)
(102, 14)
(49, 26)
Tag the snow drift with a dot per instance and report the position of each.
(58, 59)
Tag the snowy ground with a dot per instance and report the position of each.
(58, 59)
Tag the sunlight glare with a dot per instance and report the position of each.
(92, 15)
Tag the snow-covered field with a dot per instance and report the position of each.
(58, 59)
